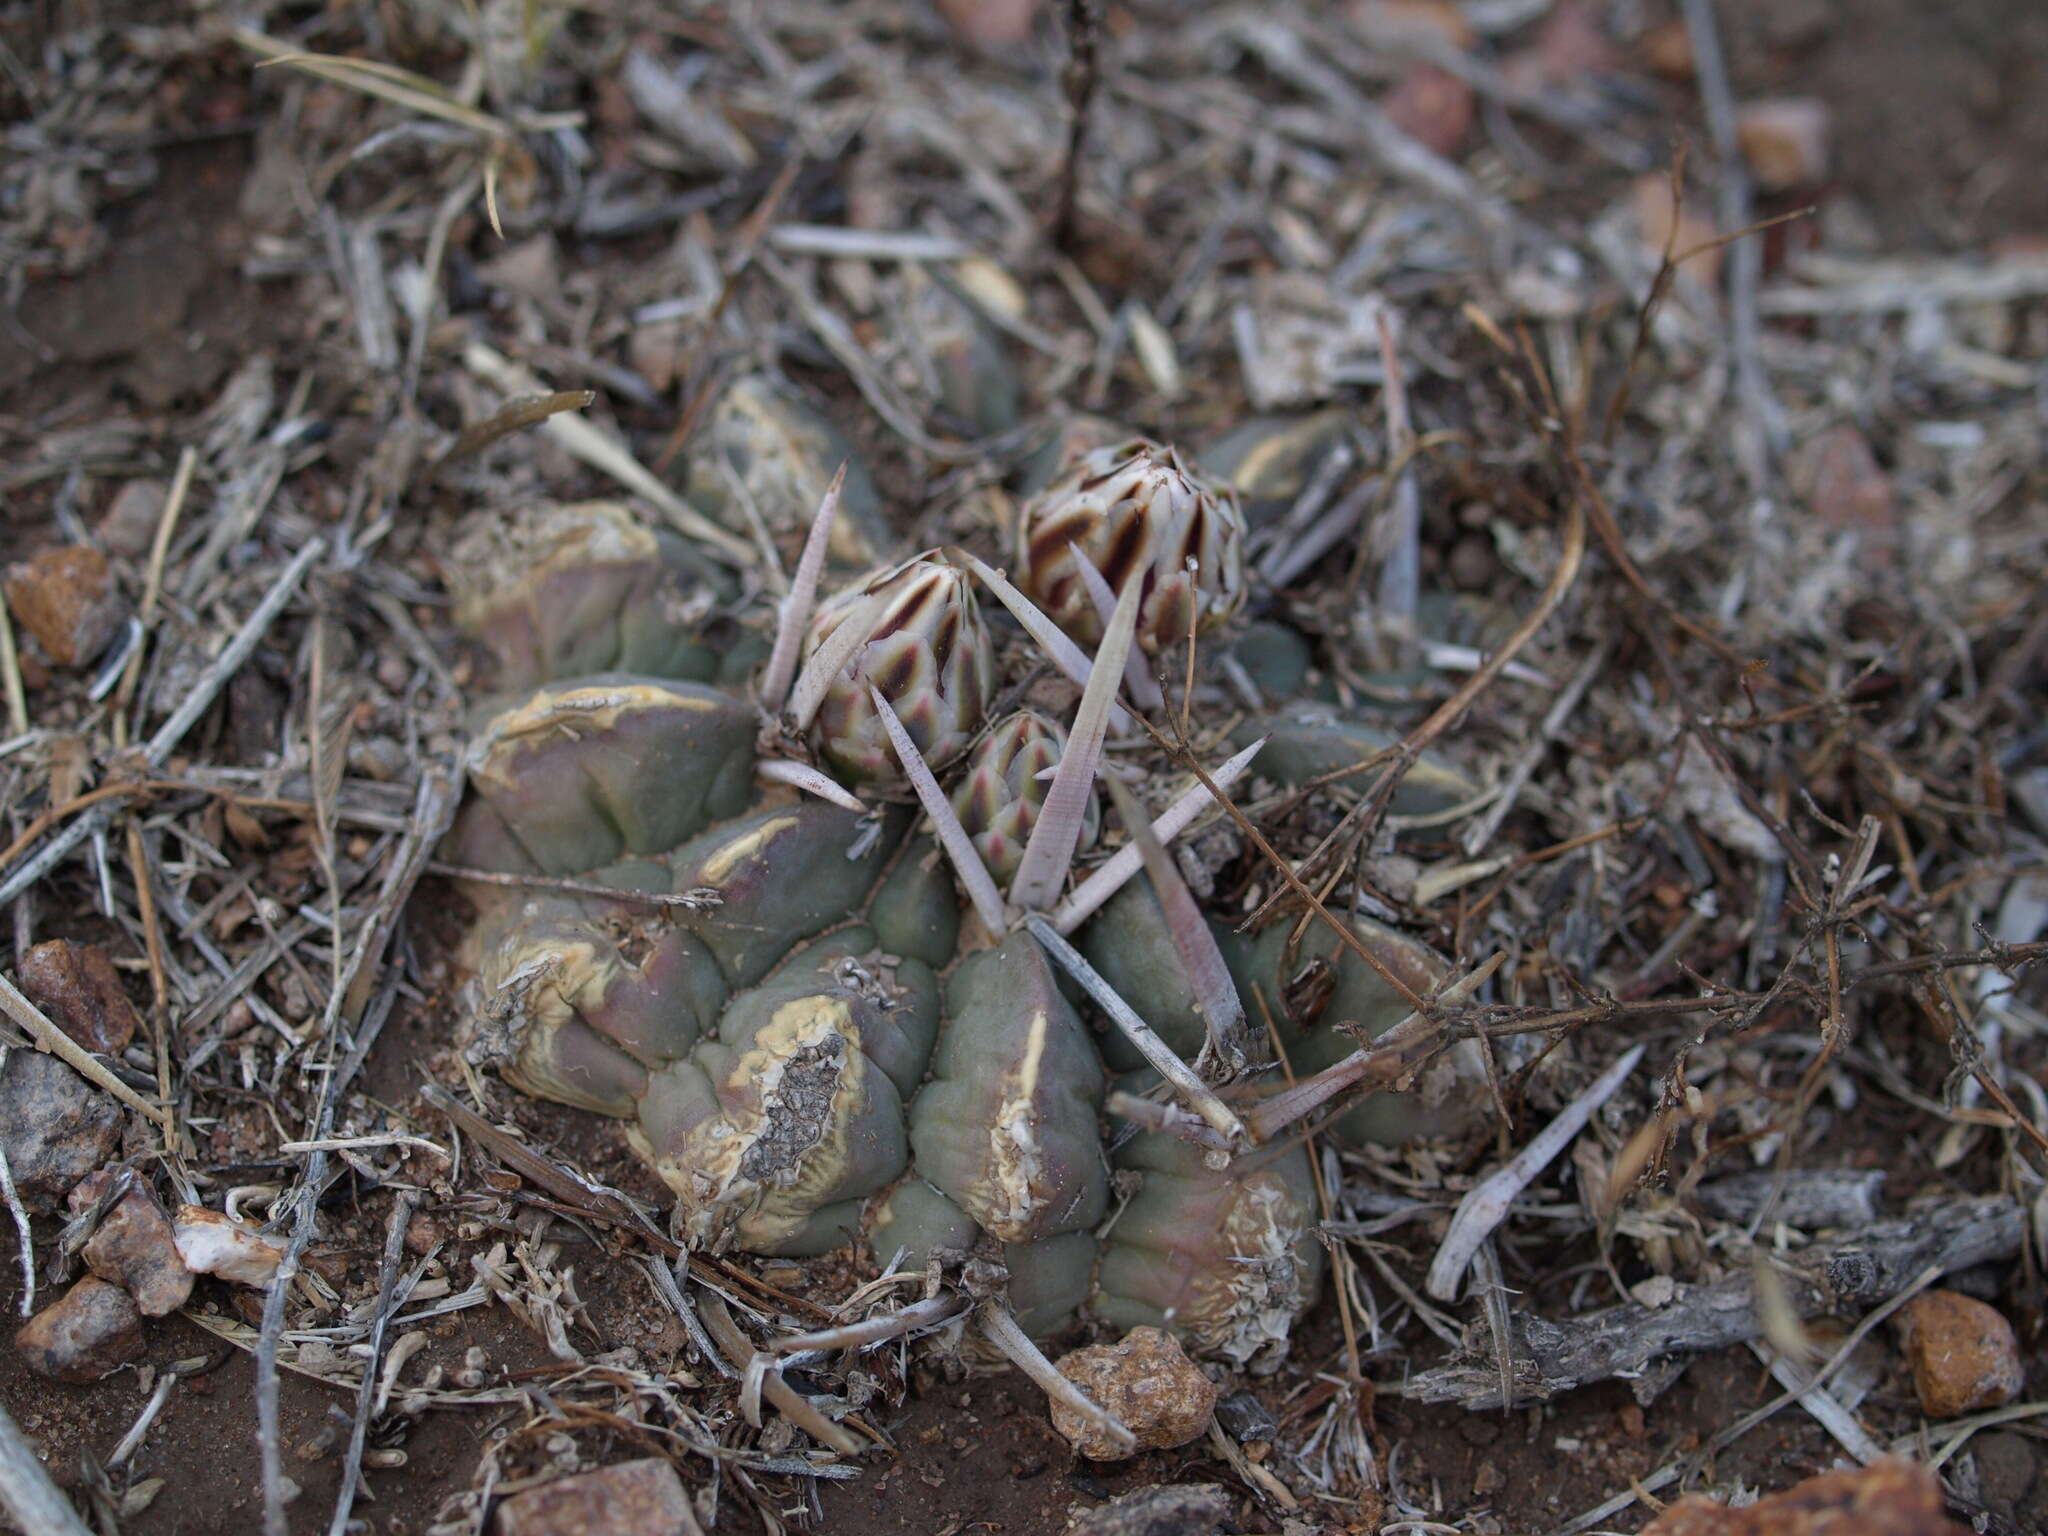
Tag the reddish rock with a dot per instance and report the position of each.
(629, 1498)
(1433, 107)
(1841, 481)
(1964, 1355)
(1570, 45)
(990, 26)
(67, 599)
(1667, 50)
(94, 1329)
(134, 1246)
(78, 987)
(1890, 1497)
(1148, 1382)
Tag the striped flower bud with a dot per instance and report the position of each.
(927, 652)
(1138, 513)
(998, 799)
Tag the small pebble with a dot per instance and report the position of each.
(1964, 1355)
(128, 526)
(78, 987)
(92, 1330)
(1181, 1509)
(55, 1126)
(2009, 1468)
(135, 1246)
(214, 1244)
(1148, 1382)
(67, 599)
(629, 1498)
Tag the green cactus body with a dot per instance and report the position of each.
(801, 1038)
(1007, 1128)
(1320, 991)
(1307, 741)
(1227, 1259)
(582, 588)
(761, 434)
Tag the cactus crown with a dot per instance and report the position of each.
(780, 996)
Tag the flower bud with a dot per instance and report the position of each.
(927, 653)
(998, 798)
(1139, 514)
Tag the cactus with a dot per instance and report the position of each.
(1002, 789)
(778, 993)
(1135, 513)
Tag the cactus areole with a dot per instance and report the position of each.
(804, 1029)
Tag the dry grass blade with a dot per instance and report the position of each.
(1145, 691)
(1057, 644)
(813, 781)
(10, 674)
(1376, 1065)
(1116, 872)
(793, 618)
(1050, 850)
(1485, 1206)
(387, 82)
(1198, 1095)
(26, 1489)
(1201, 960)
(515, 415)
(601, 452)
(974, 875)
(832, 657)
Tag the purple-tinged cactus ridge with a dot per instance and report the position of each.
(1228, 1259)
(1007, 1126)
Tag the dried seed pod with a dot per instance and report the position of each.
(582, 773)
(998, 797)
(1138, 514)
(927, 652)
(775, 1130)
(782, 454)
(553, 591)
(1228, 1259)
(1006, 1128)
